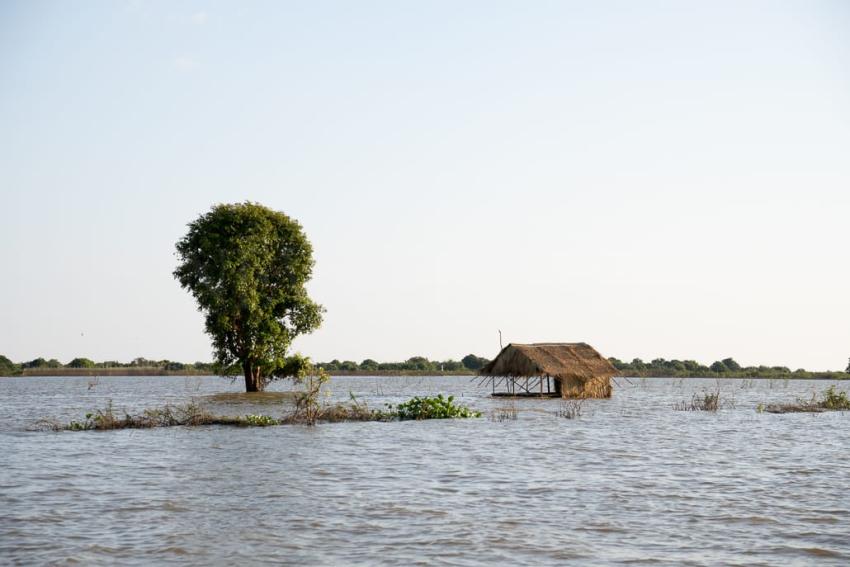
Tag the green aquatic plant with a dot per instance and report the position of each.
(260, 420)
(835, 400)
(435, 407)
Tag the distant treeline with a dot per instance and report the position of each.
(137, 366)
(469, 364)
(726, 368)
(417, 364)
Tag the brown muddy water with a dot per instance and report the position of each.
(630, 481)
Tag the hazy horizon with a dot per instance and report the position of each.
(657, 179)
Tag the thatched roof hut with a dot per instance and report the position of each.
(572, 370)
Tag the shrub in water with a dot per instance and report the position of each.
(835, 400)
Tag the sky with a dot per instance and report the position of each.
(658, 179)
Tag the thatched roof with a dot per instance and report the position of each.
(559, 360)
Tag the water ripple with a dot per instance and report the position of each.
(629, 482)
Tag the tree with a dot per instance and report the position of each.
(731, 364)
(7, 367)
(247, 265)
(37, 363)
(848, 366)
(718, 366)
(81, 363)
(418, 363)
(473, 362)
(450, 365)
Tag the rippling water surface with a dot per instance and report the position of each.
(630, 481)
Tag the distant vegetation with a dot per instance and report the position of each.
(137, 366)
(726, 368)
(417, 364)
(414, 365)
(469, 364)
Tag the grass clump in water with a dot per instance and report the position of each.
(831, 400)
(168, 416)
(708, 401)
(106, 419)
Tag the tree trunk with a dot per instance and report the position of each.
(253, 383)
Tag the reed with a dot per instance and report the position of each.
(570, 409)
(508, 412)
(707, 401)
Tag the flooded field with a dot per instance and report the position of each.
(628, 481)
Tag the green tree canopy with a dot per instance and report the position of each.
(7, 367)
(36, 363)
(473, 362)
(247, 266)
(81, 363)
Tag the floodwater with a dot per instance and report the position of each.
(630, 481)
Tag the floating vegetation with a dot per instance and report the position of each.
(260, 420)
(436, 407)
(830, 400)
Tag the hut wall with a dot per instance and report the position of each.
(572, 387)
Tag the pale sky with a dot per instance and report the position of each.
(654, 178)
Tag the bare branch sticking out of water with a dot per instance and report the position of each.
(570, 409)
(504, 413)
